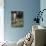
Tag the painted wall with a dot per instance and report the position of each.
(1, 21)
(29, 7)
(43, 6)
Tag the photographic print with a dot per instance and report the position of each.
(17, 19)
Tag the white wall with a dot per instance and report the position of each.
(1, 21)
(43, 6)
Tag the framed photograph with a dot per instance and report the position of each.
(17, 19)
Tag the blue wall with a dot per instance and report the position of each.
(29, 7)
